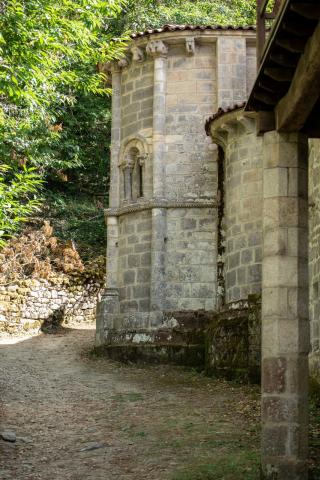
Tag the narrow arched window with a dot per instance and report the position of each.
(140, 180)
(133, 175)
(132, 165)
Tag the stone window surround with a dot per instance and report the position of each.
(132, 161)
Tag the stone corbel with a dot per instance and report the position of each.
(220, 137)
(106, 69)
(114, 66)
(157, 48)
(190, 46)
(230, 127)
(247, 123)
(137, 54)
(124, 62)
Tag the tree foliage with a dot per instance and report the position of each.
(48, 53)
(15, 201)
(155, 13)
(54, 105)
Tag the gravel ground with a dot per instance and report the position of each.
(80, 417)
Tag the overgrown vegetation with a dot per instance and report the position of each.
(40, 254)
(155, 13)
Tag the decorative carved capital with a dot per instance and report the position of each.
(157, 48)
(190, 46)
(137, 54)
(142, 159)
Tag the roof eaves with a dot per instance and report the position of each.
(220, 113)
(175, 28)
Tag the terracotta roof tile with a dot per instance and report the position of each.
(175, 28)
(220, 113)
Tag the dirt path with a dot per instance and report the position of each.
(155, 423)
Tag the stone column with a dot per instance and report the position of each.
(159, 215)
(114, 194)
(109, 302)
(285, 323)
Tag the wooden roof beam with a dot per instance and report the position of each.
(306, 10)
(295, 107)
(284, 60)
(267, 98)
(280, 74)
(302, 28)
(272, 86)
(295, 45)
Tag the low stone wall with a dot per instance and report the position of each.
(180, 340)
(28, 305)
(233, 341)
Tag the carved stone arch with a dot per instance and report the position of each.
(133, 154)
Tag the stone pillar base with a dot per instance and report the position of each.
(108, 306)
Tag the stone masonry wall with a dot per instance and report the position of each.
(191, 259)
(191, 96)
(191, 174)
(233, 341)
(251, 66)
(136, 98)
(314, 254)
(134, 262)
(137, 113)
(26, 304)
(243, 215)
(162, 244)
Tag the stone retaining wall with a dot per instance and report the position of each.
(233, 341)
(27, 305)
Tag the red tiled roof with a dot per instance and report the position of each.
(175, 28)
(220, 113)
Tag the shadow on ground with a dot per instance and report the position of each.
(78, 417)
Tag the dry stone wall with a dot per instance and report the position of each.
(27, 305)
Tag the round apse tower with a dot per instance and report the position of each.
(161, 283)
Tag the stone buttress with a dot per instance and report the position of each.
(162, 222)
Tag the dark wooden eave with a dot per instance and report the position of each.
(287, 88)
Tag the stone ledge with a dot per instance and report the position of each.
(151, 204)
(177, 354)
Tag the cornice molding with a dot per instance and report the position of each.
(157, 203)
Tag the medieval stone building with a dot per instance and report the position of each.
(198, 227)
(164, 229)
